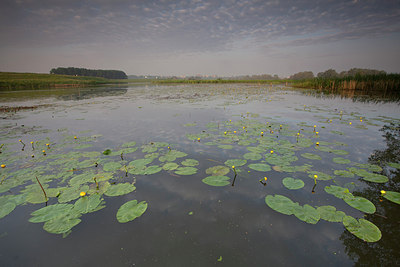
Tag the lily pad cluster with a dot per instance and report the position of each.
(268, 147)
(72, 183)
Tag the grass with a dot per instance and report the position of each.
(188, 81)
(386, 84)
(32, 81)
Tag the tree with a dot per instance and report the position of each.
(302, 75)
(109, 74)
(331, 73)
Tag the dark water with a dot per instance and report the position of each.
(189, 223)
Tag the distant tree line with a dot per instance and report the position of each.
(331, 73)
(109, 74)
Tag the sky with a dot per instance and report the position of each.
(224, 38)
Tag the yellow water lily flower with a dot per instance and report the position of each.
(82, 194)
(315, 176)
(234, 131)
(75, 137)
(233, 167)
(383, 192)
(3, 165)
(198, 139)
(272, 152)
(350, 123)
(265, 178)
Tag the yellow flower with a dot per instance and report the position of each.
(224, 132)
(75, 137)
(317, 143)
(31, 142)
(20, 140)
(350, 123)
(82, 194)
(47, 144)
(233, 167)
(234, 131)
(316, 132)
(298, 133)
(272, 152)
(265, 178)
(315, 176)
(3, 165)
(383, 192)
(315, 126)
(44, 151)
(198, 139)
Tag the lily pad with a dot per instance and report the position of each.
(131, 210)
(235, 162)
(6, 209)
(344, 173)
(252, 156)
(311, 156)
(394, 165)
(281, 204)
(216, 180)
(129, 144)
(186, 170)
(120, 189)
(361, 204)
(225, 146)
(190, 162)
(330, 214)
(111, 166)
(293, 184)
(362, 229)
(375, 178)
(340, 160)
(88, 204)
(218, 170)
(260, 167)
(391, 196)
(170, 166)
(321, 176)
(62, 224)
(152, 170)
(50, 212)
(307, 214)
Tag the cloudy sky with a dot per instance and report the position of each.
(226, 37)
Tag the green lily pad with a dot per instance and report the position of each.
(260, 167)
(337, 191)
(321, 176)
(170, 166)
(152, 170)
(225, 146)
(307, 214)
(218, 170)
(131, 210)
(186, 170)
(120, 189)
(292, 184)
(281, 204)
(216, 180)
(62, 224)
(88, 204)
(340, 160)
(344, 173)
(107, 152)
(129, 144)
(339, 152)
(252, 156)
(375, 178)
(50, 212)
(363, 229)
(311, 156)
(370, 167)
(394, 165)
(330, 214)
(111, 166)
(6, 209)
(177, 154)
(190, 162)
(235, 162)
(361, 204)
(391, 196)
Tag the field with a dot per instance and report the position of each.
(13, 80)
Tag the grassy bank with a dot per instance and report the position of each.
(32, 81)
(187, 81)
(384, 83)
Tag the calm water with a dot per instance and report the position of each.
(187, 222)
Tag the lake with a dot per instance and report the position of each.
(198, 175)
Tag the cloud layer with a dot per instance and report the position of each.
(165, 28)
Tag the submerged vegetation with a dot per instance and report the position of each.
(32, 81)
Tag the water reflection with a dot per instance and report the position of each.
(386, 252)
(64, 94)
